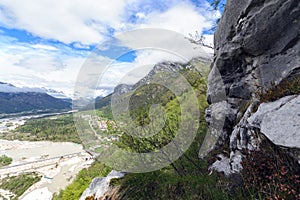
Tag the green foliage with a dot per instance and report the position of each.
(192, 181)
(105, 112)
(60, 129)
(5, 160)
(19, 184)
(184, 179)
(265, 175)
(82, 181)
(187, 177)
(141, 101)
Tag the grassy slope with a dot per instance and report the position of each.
(266, 175)
(188, 177)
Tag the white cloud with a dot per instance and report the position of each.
(45, 47)
(67, 20)
(82, 23)
(104, 74)
(80, 46)
(88, 21)
(27, 65)
(101, 92)
(182, 18)
(130, 73)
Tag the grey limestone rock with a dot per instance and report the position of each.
(99, 186)
(257, 45)
(279, 121)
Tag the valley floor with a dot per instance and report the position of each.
(57, 163)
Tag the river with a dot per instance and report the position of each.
(57, 162)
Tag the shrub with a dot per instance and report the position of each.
(269, 174)
(5, 160)
(19, 184)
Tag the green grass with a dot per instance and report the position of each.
(19, 184)
(5, 160)
(166, 185)
(105, 112)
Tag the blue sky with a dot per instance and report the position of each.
(44, 44)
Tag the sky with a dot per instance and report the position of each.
(45, 43)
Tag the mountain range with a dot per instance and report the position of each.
(9, 88)
(173, 67)
(31, 100)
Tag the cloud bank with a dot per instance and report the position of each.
(44, 43)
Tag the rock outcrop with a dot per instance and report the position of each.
(257, 46)
(100, 186)
(279, 121)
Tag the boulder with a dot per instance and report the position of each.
(99, 186)
(279, 121)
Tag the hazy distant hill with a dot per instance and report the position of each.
(16, 100)
(9, 88)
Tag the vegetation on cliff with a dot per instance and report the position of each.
(82, 181)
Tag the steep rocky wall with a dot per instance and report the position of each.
(257, 45)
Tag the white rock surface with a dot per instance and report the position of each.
(222, 165)
(228, 165)
(279, 121)
(99, 186)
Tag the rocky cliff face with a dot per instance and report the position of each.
(257, 46)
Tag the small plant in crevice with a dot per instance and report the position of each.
(290, 86)
(271, 174)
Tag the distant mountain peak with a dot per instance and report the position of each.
(9, 88)
(8, 84)
(122, 89)
(54, 93)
